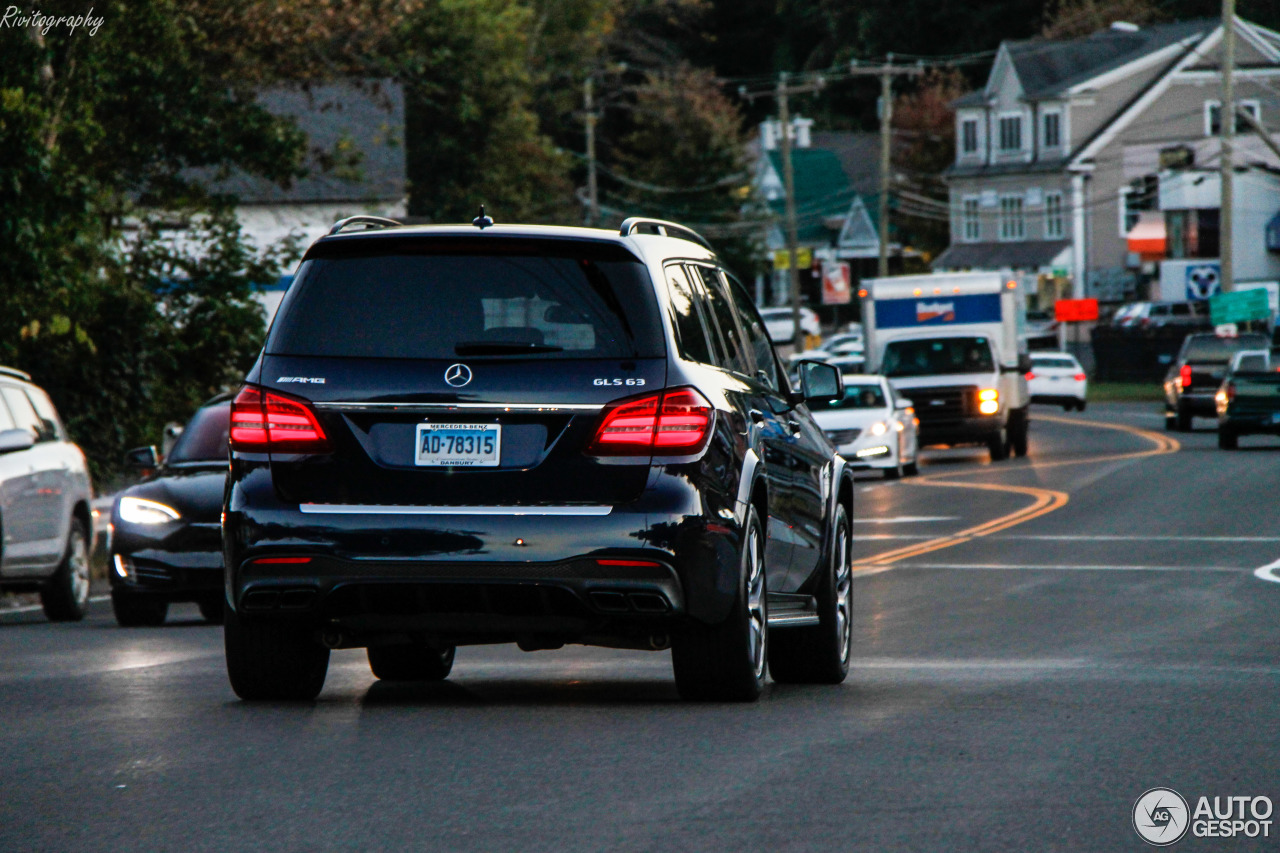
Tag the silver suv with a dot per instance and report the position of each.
(45, 521)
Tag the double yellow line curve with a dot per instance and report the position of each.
(1044, 501)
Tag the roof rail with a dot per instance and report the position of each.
(663, 228)
(371, 221)
(13, 371)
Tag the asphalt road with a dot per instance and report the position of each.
(1038, 642)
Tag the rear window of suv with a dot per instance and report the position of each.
(565, 300)
(1211, 349)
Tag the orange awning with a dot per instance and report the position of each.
(1148, 238)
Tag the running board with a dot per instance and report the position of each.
(792, 611)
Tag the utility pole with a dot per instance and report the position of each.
(789, 185)
(1227, 127)
(886, 73)
(590, 117)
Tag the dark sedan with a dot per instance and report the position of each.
(167, 540)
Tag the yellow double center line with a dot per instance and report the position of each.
(1044, 501)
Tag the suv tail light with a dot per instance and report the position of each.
(1184, 376)
(677, 421)
(267, 421)
(1080, 377)
(1030, 375)
(1231, 392)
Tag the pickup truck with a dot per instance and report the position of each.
(1248, 400)
(1193, 380)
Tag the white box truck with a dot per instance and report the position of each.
(950, 343)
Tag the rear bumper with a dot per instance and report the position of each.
(1258, 423)
(1199, 403)
(483, 576)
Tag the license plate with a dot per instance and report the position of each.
(458, 445)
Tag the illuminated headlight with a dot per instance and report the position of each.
(878, 428)
(872, 451)
(140, 511)
(988, 401)
(898, 425)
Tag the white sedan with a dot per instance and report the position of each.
(779, 325)
(1056, 377)
(872, 426)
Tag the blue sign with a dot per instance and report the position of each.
(938, 311)
(1203, 280)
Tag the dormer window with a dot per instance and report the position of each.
(1052, 130)
(1011, 133)
(969, 136)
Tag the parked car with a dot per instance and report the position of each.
(1142, 315)
(845, 343)
(1056, 377)
(532, 435)
(45, 502)
(1040, 330)
(167, 540)
(1191, 385)
(1248, 400)
(780, 324)
(872, 426)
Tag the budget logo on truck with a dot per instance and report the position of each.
(930, 312)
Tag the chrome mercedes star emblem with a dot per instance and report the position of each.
(457, 375)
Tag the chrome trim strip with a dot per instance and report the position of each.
(400, 509)
(792, 620)
(415, 408)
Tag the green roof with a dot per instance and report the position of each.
(822, 190)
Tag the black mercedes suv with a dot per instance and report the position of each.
(536, 435)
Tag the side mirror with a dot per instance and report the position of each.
(16, 439)
(903, 404)
(1024, 363)
(142, 458)
(819, 383)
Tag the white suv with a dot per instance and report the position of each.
(45, 497)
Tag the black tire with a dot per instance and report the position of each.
(1184, 419)
(1066, 407)
(410, 662)
(212, 609)
(911, 469)
(1227, 440)
(1170, 421)
(65, 596)
(998, 446)
(894, 473)
(273, 660)
(135, 611)
(820, 654)
(1018, 433)
(1080, 404)
(727, 662)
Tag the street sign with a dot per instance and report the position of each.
(836, 285)
(1075, 310)
(782, 258)
(1240, 306)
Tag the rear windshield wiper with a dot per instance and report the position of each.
(502, 347)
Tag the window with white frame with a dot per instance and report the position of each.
(1011, 133)
(970, 219)
(1054, 227)
(1213, 116)
(1052, 137)
(1012, 226)
(969, 136)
